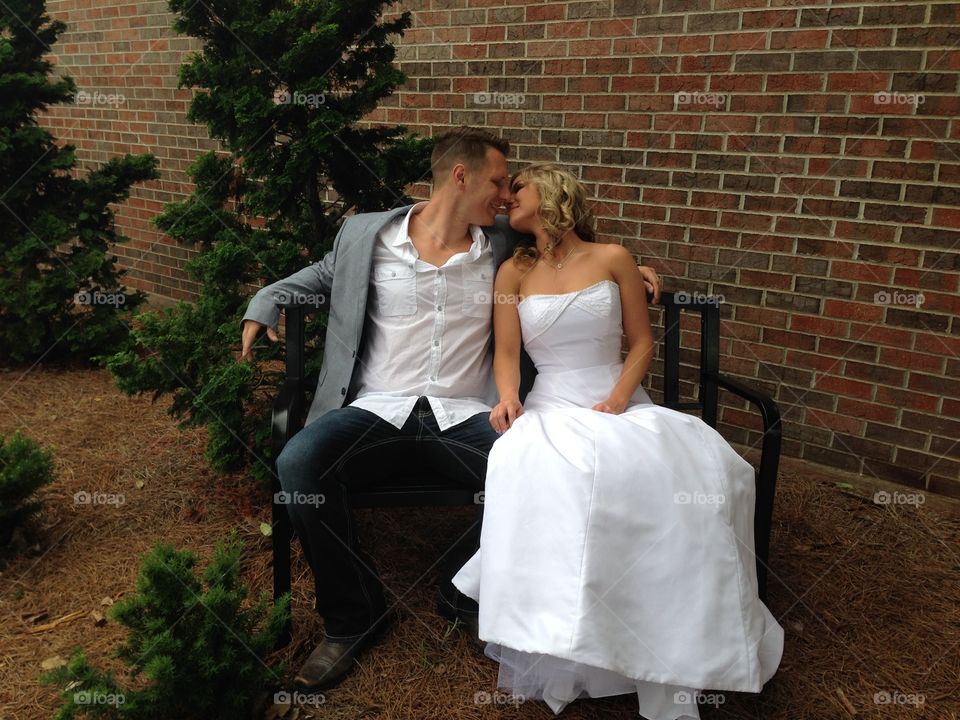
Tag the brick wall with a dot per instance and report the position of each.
(801, 160)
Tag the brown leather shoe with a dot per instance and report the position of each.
(328, 664)
(331, 661)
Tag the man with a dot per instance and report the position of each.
(406, 373)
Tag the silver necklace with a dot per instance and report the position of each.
(566, 260)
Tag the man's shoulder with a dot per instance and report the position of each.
(375, 219)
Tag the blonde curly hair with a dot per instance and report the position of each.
(563, 206)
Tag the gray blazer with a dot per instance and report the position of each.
(343, 276)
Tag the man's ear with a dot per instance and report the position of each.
(459, 175)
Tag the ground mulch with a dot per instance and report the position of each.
(867, 593)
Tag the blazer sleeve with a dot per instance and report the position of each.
(316, 279)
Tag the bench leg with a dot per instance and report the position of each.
(282, 532)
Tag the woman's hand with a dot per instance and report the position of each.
(614, 407)
(504, 413)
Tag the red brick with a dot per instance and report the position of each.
(834, 421)
(818, 326)
(485, 34)
(866, 410)
(936, 385)
(800, 39)
(785, 338)
(898, 397)
(843, 386)
(938, 344)
(861, 271)
(852, 310)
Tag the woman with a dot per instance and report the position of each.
(616, 550)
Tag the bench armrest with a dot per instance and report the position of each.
(287, 417)
(766, 475)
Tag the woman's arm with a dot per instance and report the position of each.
(506, 356)
(636, 326)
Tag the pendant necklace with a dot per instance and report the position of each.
(566, 260)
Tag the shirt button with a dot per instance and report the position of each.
(433, 379)
(343, 391)
(436, 343)
(439, 308)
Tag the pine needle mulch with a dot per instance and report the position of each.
(867, 593)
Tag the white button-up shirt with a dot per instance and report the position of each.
(427, 331)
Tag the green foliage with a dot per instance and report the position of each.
(25, 467)
(60, 291)
(199, 651)
(283, 87)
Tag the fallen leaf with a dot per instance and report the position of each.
(98, 619)
(266, 529)
(52, 663)
(107, 601)
(846, 703)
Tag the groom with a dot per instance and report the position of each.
(406, 374)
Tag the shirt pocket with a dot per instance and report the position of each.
(395, 288)
(477, 290)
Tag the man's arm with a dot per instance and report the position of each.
(651, 281)
(263, 311)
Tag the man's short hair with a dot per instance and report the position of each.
(465, 145)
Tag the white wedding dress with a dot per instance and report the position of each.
(616, 554)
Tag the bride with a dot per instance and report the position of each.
(616, 553)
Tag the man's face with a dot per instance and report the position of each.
(486, 189)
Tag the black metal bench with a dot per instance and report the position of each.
(289, 410)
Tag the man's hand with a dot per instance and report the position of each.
(504, 413)
(250, 330)
(651, 281)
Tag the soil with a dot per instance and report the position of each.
(867, 592)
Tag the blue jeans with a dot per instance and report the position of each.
(318, 460)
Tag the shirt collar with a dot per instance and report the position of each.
(402, 236)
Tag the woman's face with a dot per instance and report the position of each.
(523, 206)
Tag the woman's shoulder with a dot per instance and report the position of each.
(613, 255)
(510, 272)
